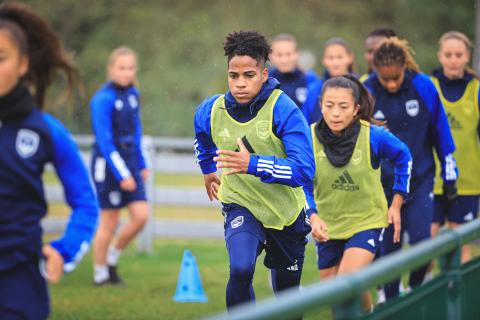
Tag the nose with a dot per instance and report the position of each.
(392, 85)
(241, 83)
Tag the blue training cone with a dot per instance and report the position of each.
(189, 285)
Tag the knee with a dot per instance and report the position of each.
(243, 271)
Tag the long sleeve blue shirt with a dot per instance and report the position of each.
(27, 145)
(289, 126)
(116, 121)
(295, 84)
(384, 147)
(416, 116)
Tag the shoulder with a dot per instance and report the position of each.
(285, 104)
(55, 126)
(207, 104)
(104, 95)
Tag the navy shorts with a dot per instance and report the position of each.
(283, 248)
(462, 210)
(109, 193)
(330, 253)
(24, 292)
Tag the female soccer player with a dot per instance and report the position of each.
(372, 41)
(338, 60)
(118, 164)
(458, 87)
(30, 56)
(260, 140)
(347, 206)
(284, 59)
(409, 104)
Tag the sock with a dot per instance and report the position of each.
(113, 255)
(100, 273)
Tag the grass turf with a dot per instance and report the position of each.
(151, 282)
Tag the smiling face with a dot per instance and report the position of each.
(337, 60)
(13, 65)
(391, 77)
(246, 77)
(454, 57)
(338, 108)
(284, 56)
(123, 69)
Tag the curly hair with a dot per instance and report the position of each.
(247, 43)
(395, 51)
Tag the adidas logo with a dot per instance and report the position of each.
(379, 115)
(224, 133)
(453, 122)
(345, 182)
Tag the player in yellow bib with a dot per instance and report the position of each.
(259, 138)
(347, 206)
(458, 87)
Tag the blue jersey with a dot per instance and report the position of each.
(384, 147)
(416, 116)
(311, 107)
(116, 124)
(295, 84)
(28, 143)
(289, 126)
(453, 89)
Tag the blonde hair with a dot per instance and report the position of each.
(462, 38)
(121, 51)
(395, 51)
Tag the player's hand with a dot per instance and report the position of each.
(319, 228)
(54, 264)
(212, 184)
(234, 162)
(145, 173)
(128, 184)
(450, 191)
(395, 218)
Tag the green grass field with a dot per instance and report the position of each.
(151, 283)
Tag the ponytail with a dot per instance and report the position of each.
(395, 51)
(37, 40)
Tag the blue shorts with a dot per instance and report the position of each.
(24, 293)
(462, 210)
(330, 253)
(283, 248)
(109, 193)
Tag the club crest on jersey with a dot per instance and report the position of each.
(412, 107)
(27, 143)
(115, 197)
(262, 129)
(301, 94)
(133, 101)
(237, 222)
(118, 105)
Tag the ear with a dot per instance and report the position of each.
(265, 74)
(23, 66)
(357, 109)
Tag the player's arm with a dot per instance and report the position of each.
(79, 195)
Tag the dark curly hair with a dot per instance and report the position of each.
(247, 43)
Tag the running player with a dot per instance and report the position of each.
(458, 86)
(347, 206)
(408, 102)
(118, 165)
(30, 139)
(259, 138)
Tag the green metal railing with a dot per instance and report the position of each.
(454, 294)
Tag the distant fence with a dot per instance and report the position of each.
(165, 155)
